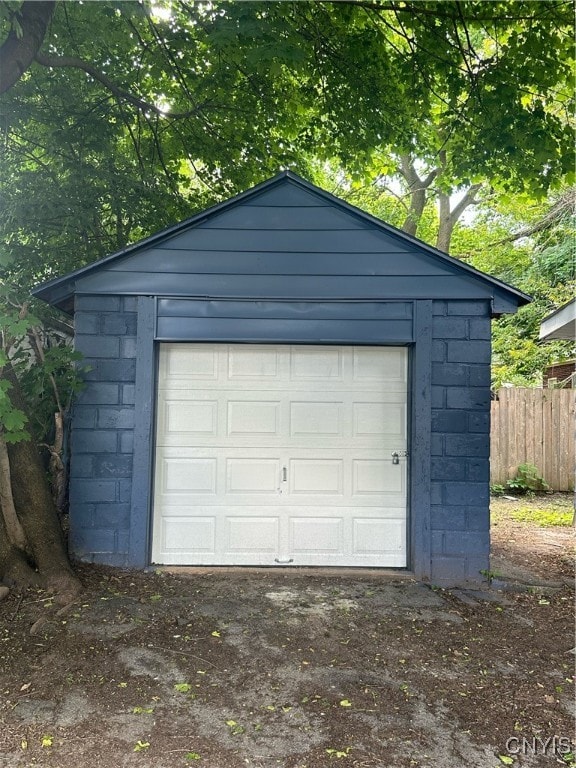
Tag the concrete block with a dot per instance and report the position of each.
(128, 346)
(466, 542)
(97, 303)
(444, 518)
(130, 303)
(118, 465)
(479, 422)
(480, 328)
(119, 324)
(437, 444)
(84, 416)
(127, 441)
(438, 351)
(116, 516)
(480, 307)
(448, 469)
(116, 418)
(123, 546)
(128, 394)
(99, 393)
(448, 571)
(437, 542)
(92, 541)
(93, 441)
(111, 370)
(82, 465)
(475, 565)
(449, 421)
(450, 328)
(449, 374)
(436, 492)
(471, 398)
(438, 397)
(92, 491)
(82, 515)
(97, 346)
(478, 470)
(439, 308)
(478, 518)
(460, 494)
(125, 491)
(468, 352)
(479, 375)
(87, 322)
(470, 446)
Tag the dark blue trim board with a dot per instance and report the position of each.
(144, 400)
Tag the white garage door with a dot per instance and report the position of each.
(280, 454)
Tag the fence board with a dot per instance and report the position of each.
(533, 426)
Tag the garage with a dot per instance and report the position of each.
(283, 380)
(281, 455)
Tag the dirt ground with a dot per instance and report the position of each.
(298, 669)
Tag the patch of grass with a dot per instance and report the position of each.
(545, 518)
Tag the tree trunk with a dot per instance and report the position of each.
(17, 52)
(417, 188)
(14, 567)
(36, 509)
(449, 218)
(14, 529)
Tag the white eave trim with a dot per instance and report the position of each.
(561, 324)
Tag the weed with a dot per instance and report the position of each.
(338, 753)
(546, 518)
(141, 746)
(527, 479)
(235, 728)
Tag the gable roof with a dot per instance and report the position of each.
(283, 226)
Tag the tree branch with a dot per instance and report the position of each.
(75, 63)
(24, 40)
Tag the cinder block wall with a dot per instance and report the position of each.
(460, 471)
(103, 429)
(102, 436)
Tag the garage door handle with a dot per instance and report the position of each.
(284, 474)
(283, 562)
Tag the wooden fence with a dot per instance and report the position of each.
(533, 426)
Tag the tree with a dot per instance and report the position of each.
(119, 118)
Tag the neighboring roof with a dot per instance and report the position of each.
(280, 221)
(560, 324)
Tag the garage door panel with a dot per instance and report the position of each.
(316, 476)
(187, 475)
(252, 534)
(254, 417)
(191, 364)
(190, 417)
(386, 420)
(387, 366)
(270, 454)
(376, 477)
(188, 534)
(316, 534)
(249, 363)
(316, 418)
(311, 363)
(254, 475)
(379, 537)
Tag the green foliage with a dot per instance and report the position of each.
(174, 106)
(527, 479)
(545, 518)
